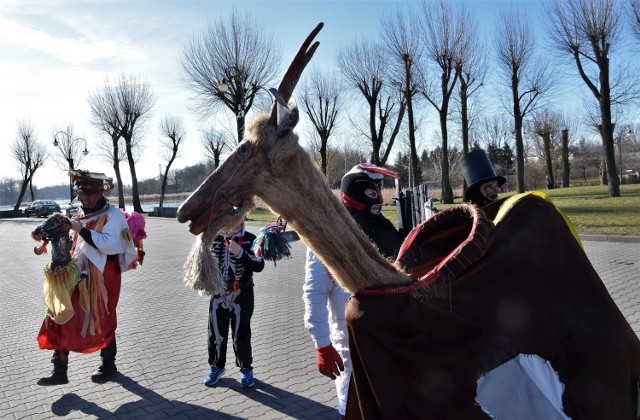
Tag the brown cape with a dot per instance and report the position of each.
(487, 294)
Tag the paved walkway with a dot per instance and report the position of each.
(162, 338)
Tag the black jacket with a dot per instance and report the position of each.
(380, 230)
(237, 268)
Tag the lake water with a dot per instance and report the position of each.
(146, 207)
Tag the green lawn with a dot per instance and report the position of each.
(590, 209)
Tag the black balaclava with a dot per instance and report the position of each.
(361, 190)
(362, 195)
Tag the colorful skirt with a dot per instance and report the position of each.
(81, 314)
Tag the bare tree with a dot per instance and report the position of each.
(115, 154)
(586, 158)
(547, 125)
(30, 156)
(228, 65)
(445, 39)
(566, 167)
(321, 100)
(173, 131)
(215, 143)
(401, 37)
(364, 68)
(528, 78)
(587, 32)
(120, 109)
(72, 150)
(494, 131)
(109, 149)
(495, 135)
(472, 70)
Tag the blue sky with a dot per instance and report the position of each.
(53, 52)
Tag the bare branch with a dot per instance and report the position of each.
(120, 110)
(30, 155)
(215, 144)
(365, 68)
(237, 51)
(321, 100)
(173, 131)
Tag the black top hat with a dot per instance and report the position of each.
(477, 170)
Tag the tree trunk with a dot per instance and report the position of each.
(566, 168)
(323, 155)
(375, 152)
(610, 160)
(603, 171)
(519, 155)
(464, 115)
(517, 116)
(240, 126)
(135, 196)
(447, 193)
(546, 139)
(415, 167)
(23, 190)
(31, 190)
(607, 128)
(116, 169)
(164, 187)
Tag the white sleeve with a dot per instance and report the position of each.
(111, 240)
(316, 290)
(115, 239)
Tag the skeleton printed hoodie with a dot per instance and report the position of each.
(237, 272)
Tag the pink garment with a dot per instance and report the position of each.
(136, 225)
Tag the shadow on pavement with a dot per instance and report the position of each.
(152, 405)
(287, 403)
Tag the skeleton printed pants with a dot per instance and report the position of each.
(231, 310)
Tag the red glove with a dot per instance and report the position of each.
(329, 362)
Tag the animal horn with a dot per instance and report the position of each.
(299, 62)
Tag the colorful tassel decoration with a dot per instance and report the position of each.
(270, 244)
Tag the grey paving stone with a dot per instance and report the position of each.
(162, 335)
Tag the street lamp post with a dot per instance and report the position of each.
(629, 136)
(67, 150)
(232, 73)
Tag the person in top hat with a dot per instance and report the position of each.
(323, 297)
(103, 248)
(483, 183)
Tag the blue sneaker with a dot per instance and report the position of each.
(247, 378)
(213, 376)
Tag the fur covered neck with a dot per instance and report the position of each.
(307, 203)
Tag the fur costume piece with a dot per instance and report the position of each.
(201, 272)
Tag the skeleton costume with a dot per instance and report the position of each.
(234, 307)
(324, 299)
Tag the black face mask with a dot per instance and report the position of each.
(361, 193)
